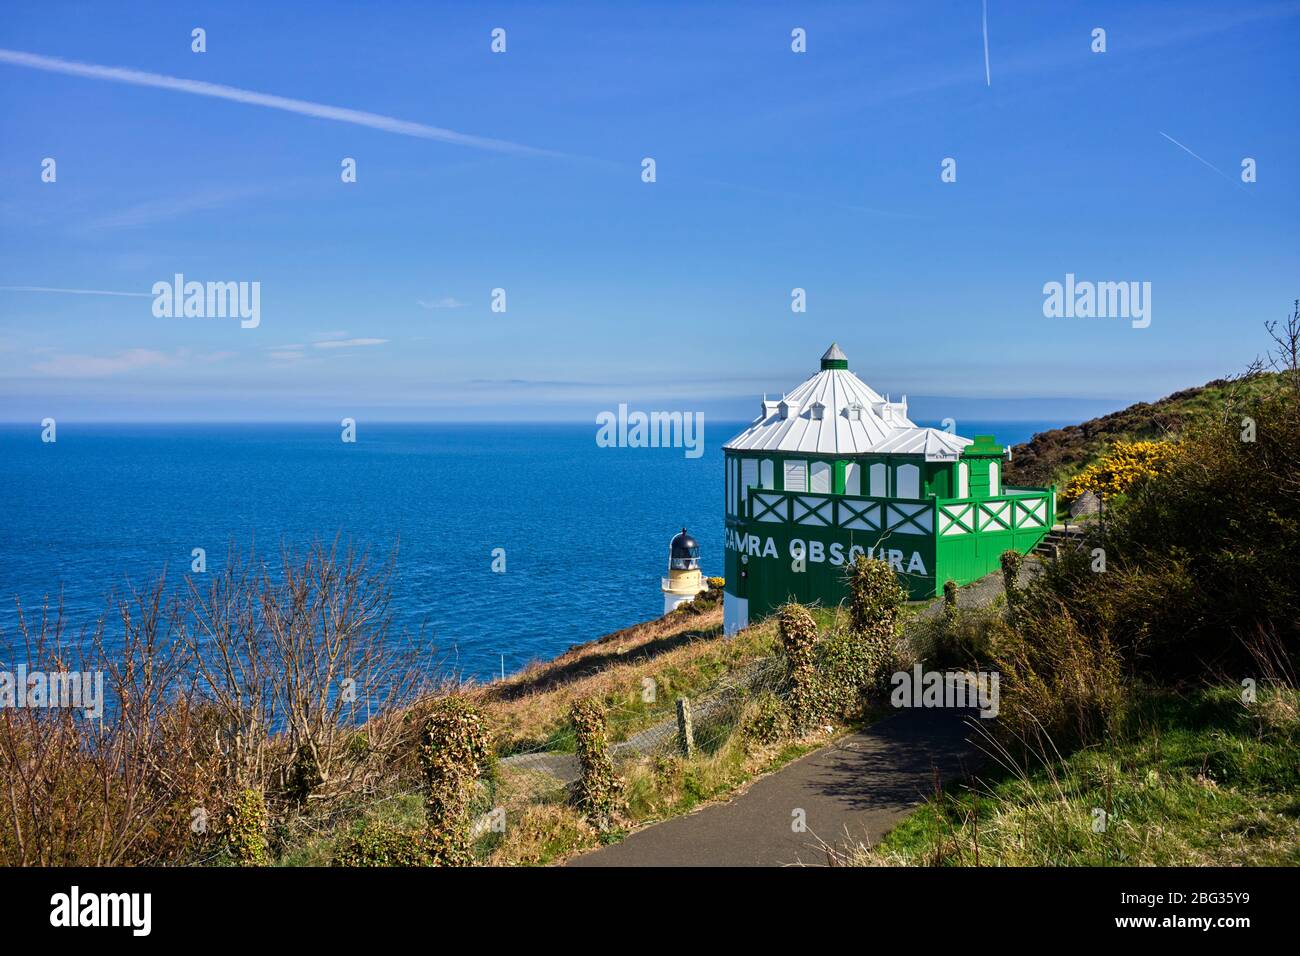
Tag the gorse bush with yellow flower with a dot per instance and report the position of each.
(1199, 565)
(1124, 466)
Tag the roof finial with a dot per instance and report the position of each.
(835, 358)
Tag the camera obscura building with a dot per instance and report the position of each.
(834, 470)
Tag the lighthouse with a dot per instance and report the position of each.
(684, 579)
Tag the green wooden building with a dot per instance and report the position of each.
(834, 469)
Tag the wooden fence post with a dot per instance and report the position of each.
(685, 730)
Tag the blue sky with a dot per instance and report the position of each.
(775, 170)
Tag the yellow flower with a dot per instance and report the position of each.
(1124, 466)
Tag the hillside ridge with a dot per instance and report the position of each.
(1054, 455)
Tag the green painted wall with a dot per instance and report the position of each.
(940, 480)
(768, 562)
(760, 555)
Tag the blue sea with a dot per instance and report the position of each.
(585, 529)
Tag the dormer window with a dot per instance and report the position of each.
(788, 409)
(769, 409)
(891, 413)
(854, 412)
(817, 410)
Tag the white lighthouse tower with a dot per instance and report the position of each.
(684, 579)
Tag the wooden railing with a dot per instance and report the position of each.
(1015, 509)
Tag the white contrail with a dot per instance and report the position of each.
(41, 288)
(387, 124)
(1194, 156)
(987, 80)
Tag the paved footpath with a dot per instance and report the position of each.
(851, 792)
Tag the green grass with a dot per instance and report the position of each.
(1196, 778)
(541, 720)
(673, 786)
(402, 810)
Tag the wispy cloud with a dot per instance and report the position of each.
(41, 288)
(446, 302)
(74, 365)
(535, 383)
(159, 210)
(387, 124)
(348, 343)
(69, 365)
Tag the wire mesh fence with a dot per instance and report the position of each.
(545, 773)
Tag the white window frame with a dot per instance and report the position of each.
(879, 480)
(748, 479)
(820, 477)
(905, 477)
(798, 469)
(853, 478)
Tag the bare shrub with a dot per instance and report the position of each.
(120, 787)
(297, 663)
(250, 683)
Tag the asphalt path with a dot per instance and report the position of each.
(848, 793)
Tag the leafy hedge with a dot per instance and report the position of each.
(835, 674)
(378, 844)
(453, 755)
(246, 823)
(807, 697)
(599, 790)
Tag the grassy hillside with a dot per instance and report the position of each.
(1192, 779)
(1053, 456)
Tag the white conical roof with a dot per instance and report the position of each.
(853, 419)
